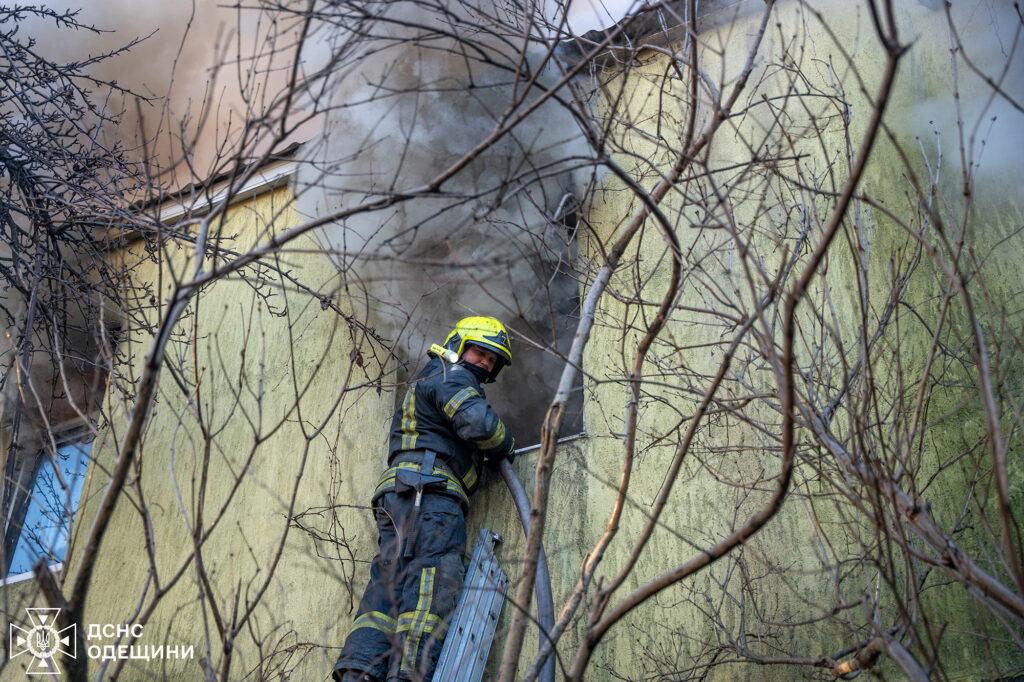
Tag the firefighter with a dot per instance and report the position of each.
(440, 436)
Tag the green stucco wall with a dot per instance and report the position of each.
(673, 634)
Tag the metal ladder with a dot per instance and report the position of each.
(471, 632)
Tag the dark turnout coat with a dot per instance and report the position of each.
(445, 410)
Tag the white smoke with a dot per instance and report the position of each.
(988, 125)
(193, 70)
(486, 243)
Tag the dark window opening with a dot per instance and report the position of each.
(541, 338)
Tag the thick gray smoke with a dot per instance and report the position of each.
(173, 67)
(195, 57)
(490, 241)
(408, 109)
(992, 126)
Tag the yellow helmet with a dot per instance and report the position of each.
(486, 332)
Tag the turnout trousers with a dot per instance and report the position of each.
(410, 597)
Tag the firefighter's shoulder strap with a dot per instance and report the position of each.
(471, 631)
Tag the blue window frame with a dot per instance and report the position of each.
(50, 508)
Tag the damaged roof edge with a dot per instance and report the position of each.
(656, 25)
(198, 198)
(192, 191)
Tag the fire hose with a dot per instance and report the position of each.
(545, 602)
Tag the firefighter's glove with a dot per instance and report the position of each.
(494, 458)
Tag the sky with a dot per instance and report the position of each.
(586, 15)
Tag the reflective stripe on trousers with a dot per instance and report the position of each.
(403, 614)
